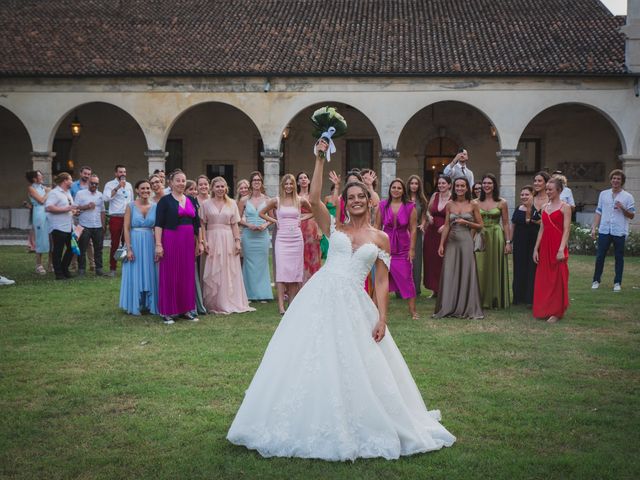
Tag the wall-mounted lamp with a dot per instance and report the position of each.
(286, 132)
(76, 126)
(493, 130)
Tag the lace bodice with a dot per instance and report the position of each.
(355, 265)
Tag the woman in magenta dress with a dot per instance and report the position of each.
(551, 290)
(177, 231)
(436, 213)
(222, 284)
(397, 217)
(311, 234)
(289, 245)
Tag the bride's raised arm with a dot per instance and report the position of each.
(318, 208)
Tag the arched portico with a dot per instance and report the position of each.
(15, 160)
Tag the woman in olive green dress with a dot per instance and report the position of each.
(493, 267)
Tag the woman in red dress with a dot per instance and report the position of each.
(551, 289)
(311, 234)
(436, 212)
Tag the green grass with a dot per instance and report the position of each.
(88, 392)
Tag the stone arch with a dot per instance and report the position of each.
(578, 138)
(214, 138)
(481, 109)
(110, 135)
(360, 128)
(97, 101)
(187, 108)
(16, 147)
(612, 121)
(462, 122)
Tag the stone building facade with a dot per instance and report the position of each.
(583, 119)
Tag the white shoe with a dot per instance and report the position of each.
(6, 281)
(595, 285)
(617, 287)
(168, 320)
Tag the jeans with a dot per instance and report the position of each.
(96, 236)
(604, 241)
(61, 263)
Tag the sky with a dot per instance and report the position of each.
(617, 7)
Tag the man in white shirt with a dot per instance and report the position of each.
(611, 222)
(60, 210)
(91, 206)
(458, 167)
(119, 193)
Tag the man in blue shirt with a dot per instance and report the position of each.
(82, 183)
(611, 224)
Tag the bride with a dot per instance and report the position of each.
(332, 383)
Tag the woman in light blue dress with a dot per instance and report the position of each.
(255, 242)
(139, 287)
(37, 195)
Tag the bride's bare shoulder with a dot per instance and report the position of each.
(381, 239)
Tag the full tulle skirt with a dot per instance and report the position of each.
(325, 389)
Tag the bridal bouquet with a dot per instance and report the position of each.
(328, 124)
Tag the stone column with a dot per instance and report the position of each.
(157, 160)
(42, 161)
(507, 159)
(388, 164)
(632, 33)
(271, 171)
(631, 168)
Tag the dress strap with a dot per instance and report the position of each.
(385, 257)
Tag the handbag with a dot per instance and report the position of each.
(478, 242)
(120, 254)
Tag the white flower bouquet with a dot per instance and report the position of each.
(328, 124)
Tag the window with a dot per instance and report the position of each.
(225, 171)
(529, 157)
(438, 154)
(63, 161)
(261, 160)
(359, 154)
(174, 157)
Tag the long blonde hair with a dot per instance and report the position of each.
(282, 194)
(215, 180)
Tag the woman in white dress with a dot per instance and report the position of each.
(332, 384)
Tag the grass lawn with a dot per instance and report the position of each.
(89, 392)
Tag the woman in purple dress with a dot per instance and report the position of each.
(289, 244)
(397, 217)
(177, 232)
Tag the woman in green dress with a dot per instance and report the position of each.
(493, 268)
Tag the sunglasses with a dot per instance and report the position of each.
(92, 184)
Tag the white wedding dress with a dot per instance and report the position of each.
(325, 389)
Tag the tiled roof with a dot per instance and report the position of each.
(308, 37)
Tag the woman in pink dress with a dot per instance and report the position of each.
(436, 212)
(222, 286)
(289, 245)
(311, 234)
(397, 217)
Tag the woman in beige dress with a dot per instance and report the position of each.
(459, 294)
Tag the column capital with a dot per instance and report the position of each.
(387, 155)
(43, 155)
(502, 154)
(156, 154)
(42, 161)
(628, 158)
(271, 153)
